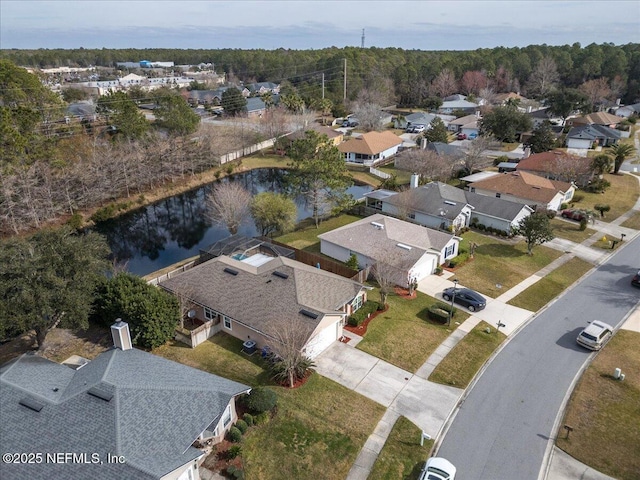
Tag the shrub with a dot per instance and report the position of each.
(438, 314)
(242, 426)
(75, 221)
(363, 312)
(352, 263)
(234, 435)
(577, 197)
(438, 270)
(597, 186)
(446, 307)
(217, 174)
(262, 418)
(229, 169)
(583, 224)
(234, 451)
(481, 227)
(235, 472)
(248, 418)
(564, 206)
(261, 399)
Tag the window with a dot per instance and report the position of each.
(412, 216)
(209, 314)
(473, 189)
(448, 252)
(226, 417)
(227, 322)
(497, 195)
(357, 303)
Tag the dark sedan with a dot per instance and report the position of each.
(465, 297)
(635, 281)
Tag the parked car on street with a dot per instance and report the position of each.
(465, 297)
(438, 468)
(595, 336)
(462, 136)
(635, 281)
(574, 214)
(418, 128)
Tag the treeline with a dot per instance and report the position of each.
(411, 71)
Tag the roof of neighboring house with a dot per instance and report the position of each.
(434, 198)
(82, 109)
(380, 194)
(252, 87)
(260, 300)
(158, 408)
(446, 149)
(597, 118)
(503, 97)
(592, 132)
(371, 143)
(321, 129)
(476, 177)
(420, 118)
(631, 108)
(454, 97)
(382, 243)
(255, 104)
(495, 207)
(464, 120)
(458, 104)
(547, 161)
(544, 113)
(523, 185)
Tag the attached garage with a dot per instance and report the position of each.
(324, 338)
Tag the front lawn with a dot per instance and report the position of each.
(500, 262)
(306, 234)
(542, 292)
(402, 457)
(465, 359)
(620, 196)
(403, 335)
(319, 428)
(632, 222)
(570, 230)
(605, 413)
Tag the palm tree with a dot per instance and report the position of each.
(601, 164)
(620, 153)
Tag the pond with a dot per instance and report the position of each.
(170, 230)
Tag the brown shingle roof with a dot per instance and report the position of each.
(546, 161)
(523, 185)
(370, 143)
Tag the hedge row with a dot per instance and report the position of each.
(439, 312)
(363, 312)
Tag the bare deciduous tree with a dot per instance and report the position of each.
(596, 90)
(444, 84)
(228, 205)
(426, 163)
(290, 335)
(474, 156)
(369, 115)
(473, 81)
(544, 78)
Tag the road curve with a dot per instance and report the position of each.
(502, 429)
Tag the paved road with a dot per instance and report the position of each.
(502, 430)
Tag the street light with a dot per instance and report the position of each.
(453, 297)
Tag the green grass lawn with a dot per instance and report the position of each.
(465, 359)
(402, 457)
(620, 196)
(632, 222)
(570, 230)
(319, 428)
(263, 161)
(306, 235)
(500, 262)
(605, 413)
(542, 292)
(403, 335)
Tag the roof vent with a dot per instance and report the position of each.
(309, 314)
(403, 246)
(378, 225)
(101, 394)
(31, 404)
(280, 274)
(449, 202)
(230, 271)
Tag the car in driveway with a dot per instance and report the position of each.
(595, 335)
(461, 136)
(635, 281)
(574, 214)
(465, 297)
(438, 468)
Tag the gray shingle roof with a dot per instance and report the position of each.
(442, 148)
(260, 300)
(591, 132)
(158, 409)
(430, 199)
(494, 207)
(382, 243)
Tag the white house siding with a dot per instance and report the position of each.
(328, 331)
(452, 252)
(424, 267)
(340, 253)
(489, 221)
(188, 471)
(579, 143)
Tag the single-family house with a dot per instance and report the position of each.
(526, 188)
(468, 121)
(255, 107)
(336, 137)
(260, 88)
(438, 202)
(558, 165)
(541, 115)
(370, 148)
(455, 152)
(125, 414)
(412, 250)
(451, 106)
(589, 136)
(628, 110)
(255, 297)
(416, 118)
(85, 110)
(597, 118)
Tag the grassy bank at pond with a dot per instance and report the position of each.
(500, 264)
(319, 428)
(542, 292)
(403, 335)
(305, 236)
(605, 413)
(465, 359)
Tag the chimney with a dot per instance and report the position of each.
(414, 180)
(121, 335)
(423, 143)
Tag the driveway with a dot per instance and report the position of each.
(425, 403)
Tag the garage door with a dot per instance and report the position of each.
(322, 340)
(423, 269)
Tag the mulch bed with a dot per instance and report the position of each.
(362, 329)
(404, 293)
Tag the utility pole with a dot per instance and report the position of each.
(323, 86)
(344, 94)
(362, 44)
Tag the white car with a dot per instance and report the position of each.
(595, 336)
(438, 468)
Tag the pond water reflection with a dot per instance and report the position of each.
(176, 228)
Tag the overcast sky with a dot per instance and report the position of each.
(305, 24)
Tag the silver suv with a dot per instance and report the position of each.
(596, 335)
